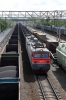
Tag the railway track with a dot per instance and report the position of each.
(62, 37)
(48, 92)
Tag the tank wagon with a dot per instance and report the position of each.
(9, 69)
(61, 54)
(38, 54)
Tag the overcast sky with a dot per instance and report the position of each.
(32, 5)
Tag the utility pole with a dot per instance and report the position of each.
(0, 28)
(41, 22)
(59, 34)
(59, 27)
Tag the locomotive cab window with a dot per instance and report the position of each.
(37, 55)
(45, 55)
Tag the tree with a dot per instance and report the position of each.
(4, 24)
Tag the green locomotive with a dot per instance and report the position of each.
(61, 54)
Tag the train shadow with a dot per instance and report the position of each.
(60, 74)
(27, 71)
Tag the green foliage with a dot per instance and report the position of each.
(48, 21)
(4, 24)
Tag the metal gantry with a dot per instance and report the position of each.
(34, 14)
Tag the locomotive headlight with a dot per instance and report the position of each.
(41, 50)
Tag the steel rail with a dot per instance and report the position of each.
(54, 95)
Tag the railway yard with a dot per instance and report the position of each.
(17, 78)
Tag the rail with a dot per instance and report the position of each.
(47, 90)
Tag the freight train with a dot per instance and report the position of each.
(9, 68)
(52, 28)
(39, 55)
(57, 51)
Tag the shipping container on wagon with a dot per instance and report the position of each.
(51, 45)
(61, 54)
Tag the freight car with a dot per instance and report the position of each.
(9, 70)
(61, 54)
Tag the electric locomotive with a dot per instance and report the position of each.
(39, 55)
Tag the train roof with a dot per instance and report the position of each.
(35, 44)
(31, 38)
(38, 47)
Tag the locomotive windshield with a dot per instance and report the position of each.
(45, 55)
(37, 55)
(41, 55)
